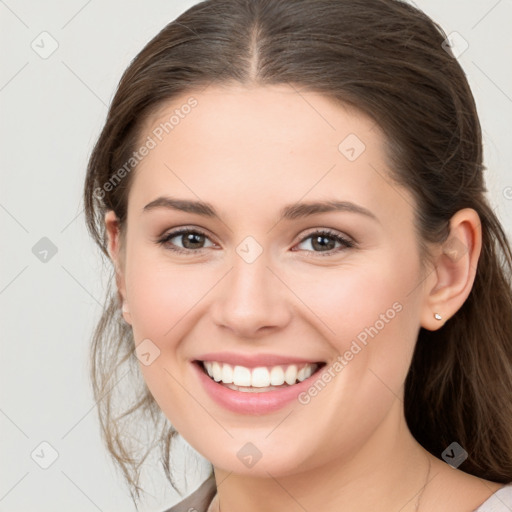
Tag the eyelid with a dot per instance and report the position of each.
(326, 231)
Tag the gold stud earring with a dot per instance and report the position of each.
(437, 316)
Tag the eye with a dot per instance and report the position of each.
(191, 240)
(325, 241)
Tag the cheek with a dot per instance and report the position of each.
(369, 316)
(164, 299)
(160, 294)
(348, 300)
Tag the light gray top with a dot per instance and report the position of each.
(199, 500)
(500, 501)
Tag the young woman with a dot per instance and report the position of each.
(308, 275)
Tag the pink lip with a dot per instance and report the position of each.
(252, 361)
(251, 403)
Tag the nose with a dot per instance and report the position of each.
(252, 301)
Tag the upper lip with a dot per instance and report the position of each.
(254, 360)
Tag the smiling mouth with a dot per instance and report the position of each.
(259, 379)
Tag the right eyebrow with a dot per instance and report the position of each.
(184, 205)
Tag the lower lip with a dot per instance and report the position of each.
(252, 403)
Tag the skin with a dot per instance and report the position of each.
(249, 152)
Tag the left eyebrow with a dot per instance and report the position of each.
(300, 210)
(289, 212)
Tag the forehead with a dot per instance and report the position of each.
(246, 114)
(240, 144)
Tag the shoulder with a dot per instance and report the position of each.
(199, 500)
(454, 489)
(500, 501)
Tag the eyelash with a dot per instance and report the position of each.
(189, 252)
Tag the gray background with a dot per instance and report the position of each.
(52, 110)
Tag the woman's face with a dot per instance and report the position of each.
(255, 282)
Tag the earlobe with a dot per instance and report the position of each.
(455, 269)
(112, 229)
(126, 312)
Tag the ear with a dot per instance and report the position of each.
(114, 249)
(451, 281)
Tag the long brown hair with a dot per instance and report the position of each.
(387, 59)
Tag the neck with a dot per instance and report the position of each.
(388, 472)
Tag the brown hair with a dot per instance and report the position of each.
(387, 59)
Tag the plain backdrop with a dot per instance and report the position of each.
(52, 109)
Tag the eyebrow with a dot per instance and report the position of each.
(289, 212)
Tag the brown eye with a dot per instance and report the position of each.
(321, 242)
(192, 240)
(185, 240)
(325, 242)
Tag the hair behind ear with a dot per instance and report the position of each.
(461, 374)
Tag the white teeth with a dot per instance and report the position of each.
(227, 373)
(290, 375)
(241, 376)
(217, 371)
(259, 377)
(276, 376)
